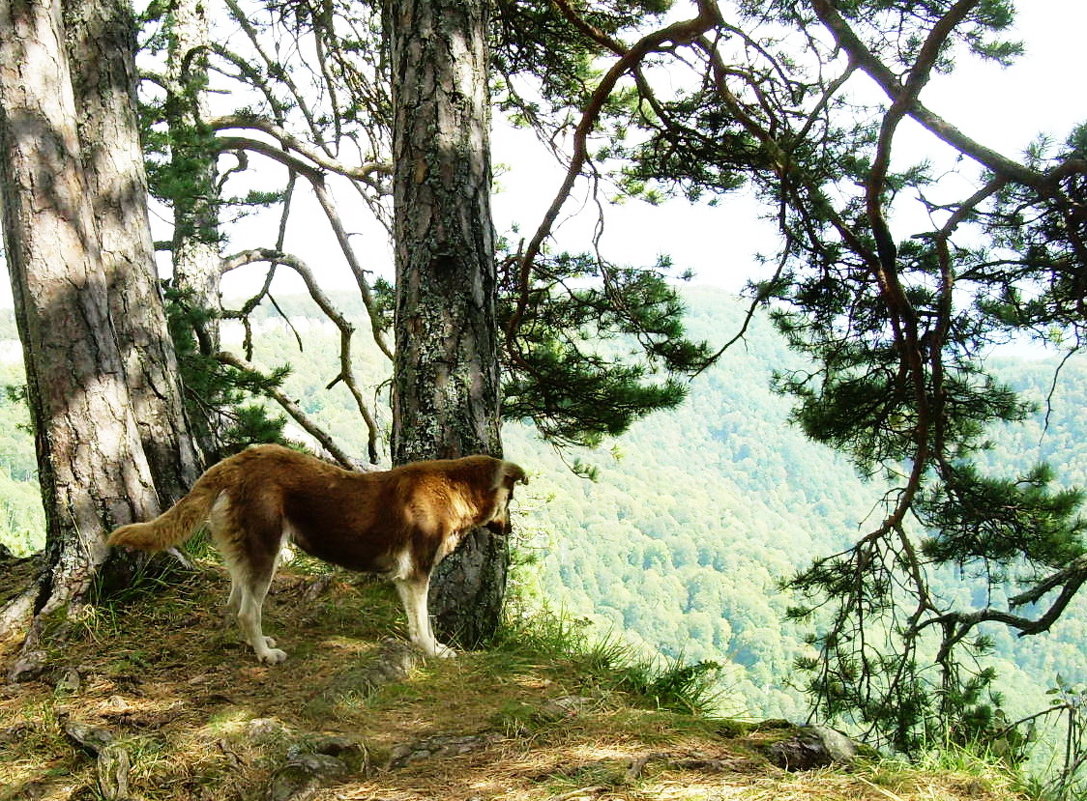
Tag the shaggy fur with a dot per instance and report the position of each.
(399, 523)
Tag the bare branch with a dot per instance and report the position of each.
(288, 141)
(347, 374)
(293, 409)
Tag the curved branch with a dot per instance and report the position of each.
(346, 329)
(293, 409)
(678, 33)
(848, 40)
(292, 162)
(289, 141)
(317, 181)
(356, 268)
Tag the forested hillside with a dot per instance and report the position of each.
(694, 517)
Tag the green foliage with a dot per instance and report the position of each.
(535, 44)
(999, 522)
(22, 519)
(598, 348)
(1070, 706)
(678, 547)
(1041, 289)
(219, 398)
(610, 663)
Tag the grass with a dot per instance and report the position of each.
(553, 714)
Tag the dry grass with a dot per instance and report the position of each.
(180, 693)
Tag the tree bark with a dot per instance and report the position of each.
(445, 372)
(196, 256)
(93, 472)
(195, 252)
(101, 39)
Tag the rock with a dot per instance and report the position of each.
(318, 587)
(69, 681)
(311, 763)
(839, 747)
(566, 706)
(27, 666)
(113, 767)
(303, 776)
(351, 752)
(394, 662)
(262, 731)
(92, 739)
(812, 747)
(440, 746)
(16, 733)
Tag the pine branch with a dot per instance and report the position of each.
(291, 408)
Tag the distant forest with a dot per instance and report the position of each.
(694, 517)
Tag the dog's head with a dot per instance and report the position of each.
(507, 475)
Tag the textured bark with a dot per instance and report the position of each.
(93, 471)
(196, 258)
(445, 374)
(195, 253)
(101, 48)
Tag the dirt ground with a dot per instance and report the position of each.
(158, 676)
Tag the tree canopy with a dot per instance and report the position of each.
(805, 103)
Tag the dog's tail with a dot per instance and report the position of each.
(177, 523)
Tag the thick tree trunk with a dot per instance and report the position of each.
(101, 48)
(93, 471)
(445, 374)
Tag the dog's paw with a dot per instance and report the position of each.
(443, 651)
(269, 642)
(271, 656)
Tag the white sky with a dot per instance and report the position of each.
(1004, 108)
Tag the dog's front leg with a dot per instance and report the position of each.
(413, 594)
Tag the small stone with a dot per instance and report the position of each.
(838, 747)
(27, 666)
(13, 734)
(439, 746)
(266, 730)
(350, 752)
(91, 739)
(566, 706)
(812, 747)
(69, 681)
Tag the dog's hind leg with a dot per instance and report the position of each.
(253, 592)
(251, 560)
(248, 588)
(413, 594)
(233, 601)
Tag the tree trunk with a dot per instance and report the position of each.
(445, 374)
(93, 472)
(101, 48)
(195, 252)
(196, 257)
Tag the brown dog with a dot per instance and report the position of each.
(399, 523)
